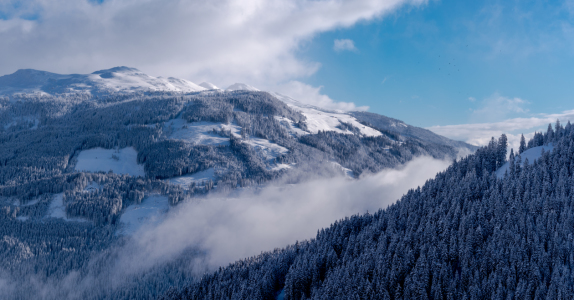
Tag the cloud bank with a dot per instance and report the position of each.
(480, 134)
(232, 228)
(221, 41)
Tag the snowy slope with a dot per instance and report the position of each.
(118, 79)
(199, 133)
(121, 161)
(325, 120)
(532, 154)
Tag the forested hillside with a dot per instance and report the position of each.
(82, 168)
(465, 234)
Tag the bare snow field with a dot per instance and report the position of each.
(266, 149)
(119, 161)
(322, 119)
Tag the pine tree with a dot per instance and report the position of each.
(522, 144)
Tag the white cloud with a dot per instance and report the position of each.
(312, 95)
(221, 41)
(497, 107)
(344, 45)
(480, 134)
(232, 228)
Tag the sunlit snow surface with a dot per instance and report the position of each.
(150, 212)
(321, 119)
(119, 79)
(266, 149)
(120, 161)
(531, 154)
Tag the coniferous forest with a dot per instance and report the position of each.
(60, 226)
(466, 234)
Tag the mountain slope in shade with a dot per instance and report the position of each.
(114, 80)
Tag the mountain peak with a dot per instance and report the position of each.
(121, 69)
(118, 79)
(209, 85)
(242, 87)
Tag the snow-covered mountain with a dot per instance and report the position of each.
(114, 80)
(87, 159)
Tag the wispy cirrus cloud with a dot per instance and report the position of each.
(498, 107)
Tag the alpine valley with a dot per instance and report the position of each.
(92, 164)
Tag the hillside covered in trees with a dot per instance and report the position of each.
(77, 169)
(465, 234)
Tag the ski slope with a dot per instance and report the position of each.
(114, 80)
(198, 177)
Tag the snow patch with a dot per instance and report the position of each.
(57, 209)
(279, 167)
(325, 120)
(149, 212)
(198, 177)
(199, 133)
(290, 126)
(532, 154)
(266, 149)
(92, 187)
(120, 161)
(347, 172)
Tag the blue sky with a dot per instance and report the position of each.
(439, 63)
(468, 70)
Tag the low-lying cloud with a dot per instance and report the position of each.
(228, 229)
(481, 133)
(201, 235)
